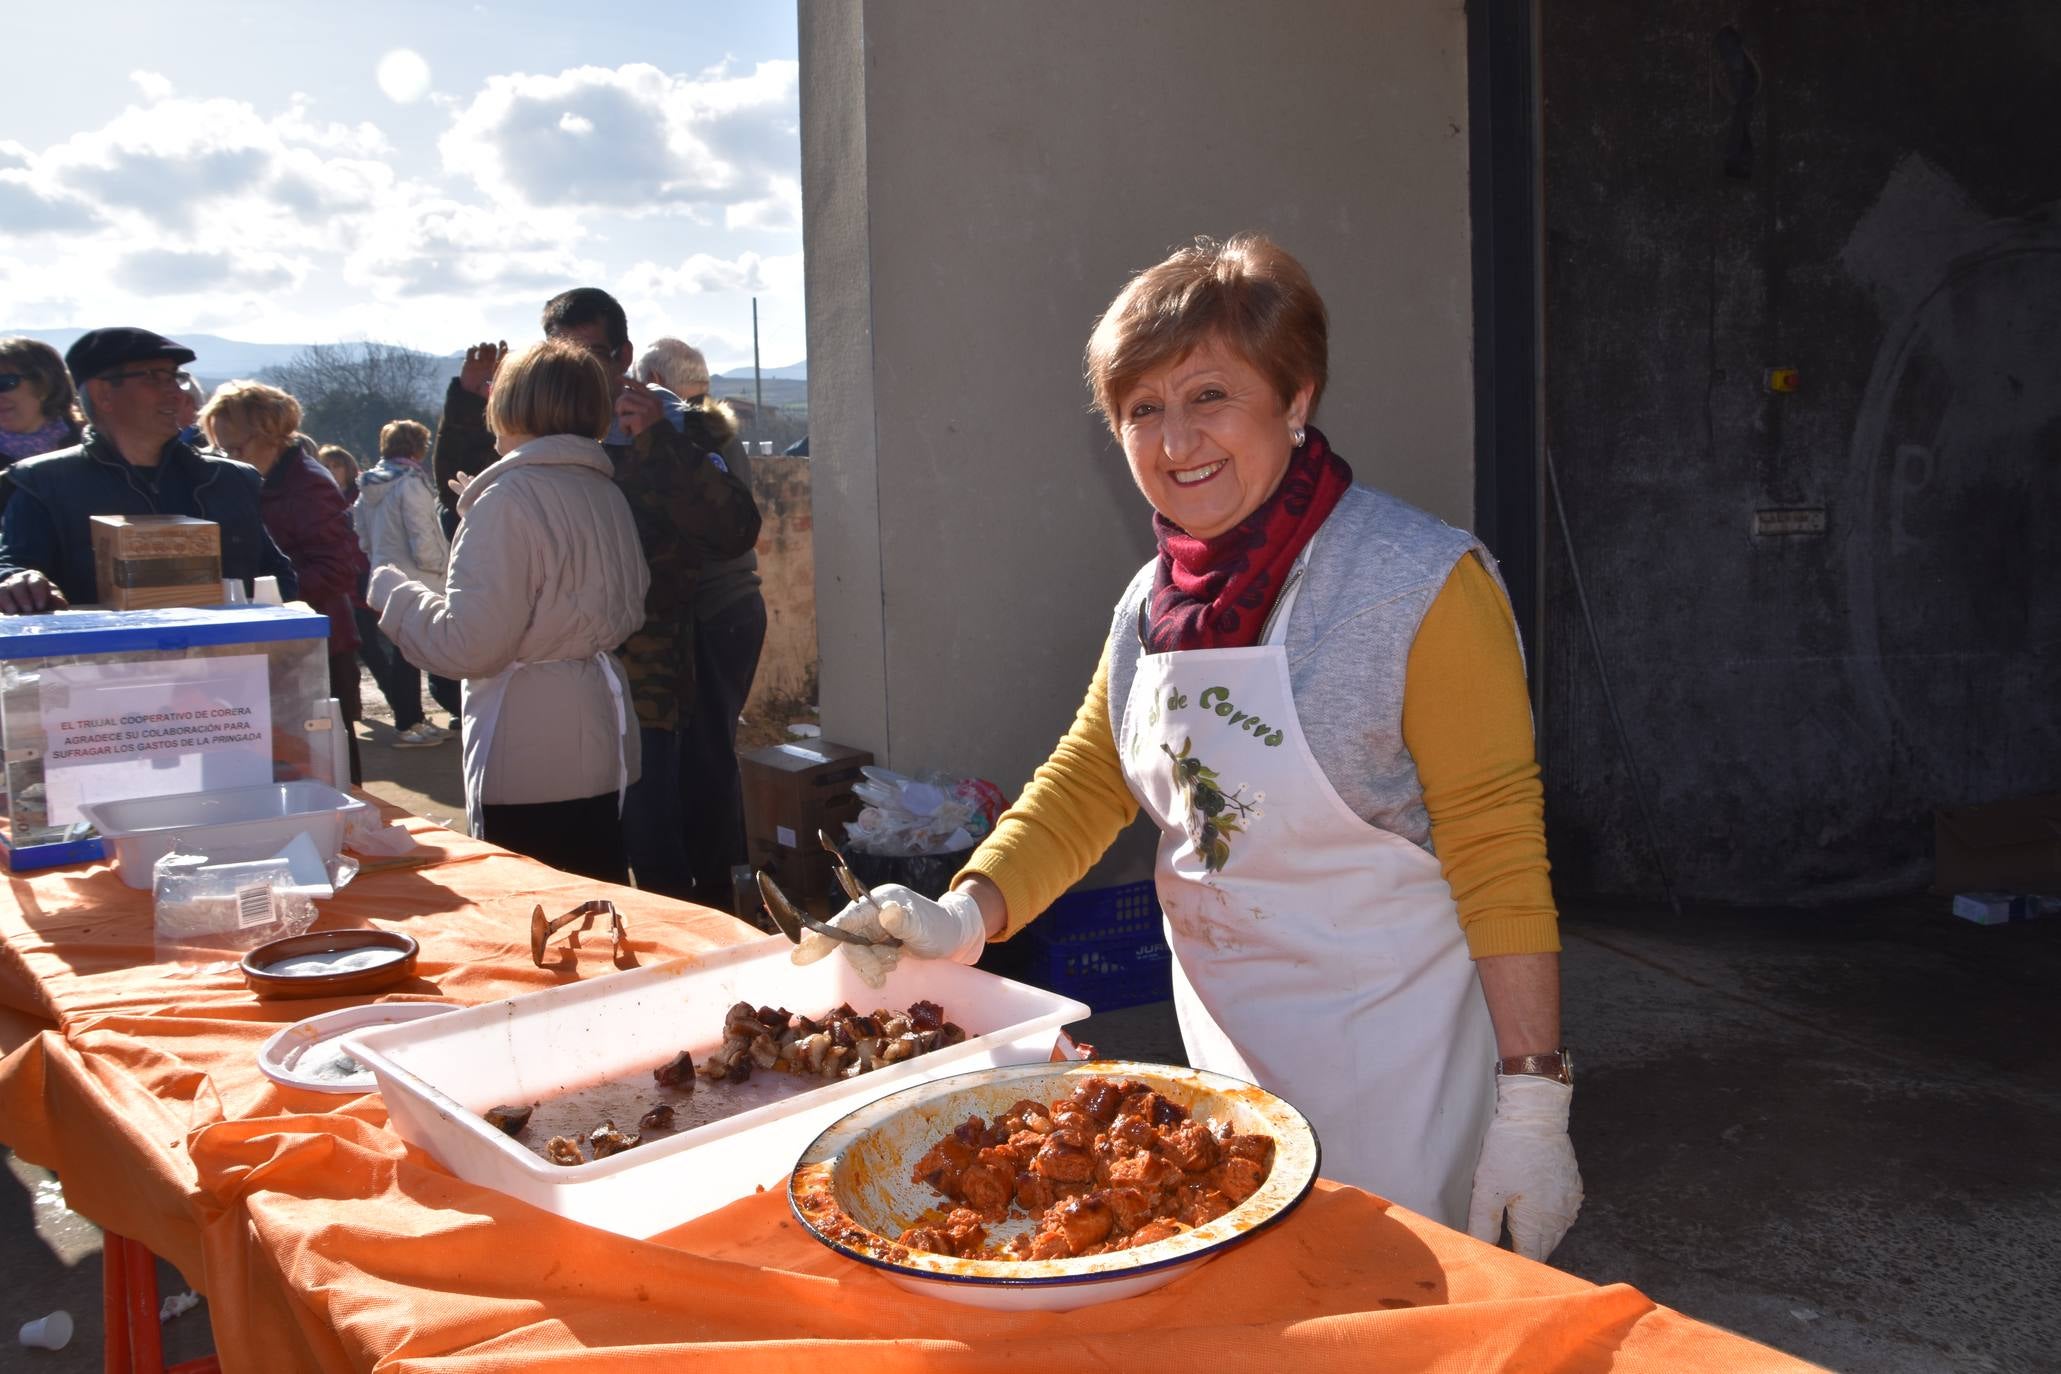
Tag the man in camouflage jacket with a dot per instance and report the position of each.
(690, 510)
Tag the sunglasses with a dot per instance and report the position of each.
(10, 380)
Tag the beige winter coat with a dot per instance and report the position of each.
(546, 571)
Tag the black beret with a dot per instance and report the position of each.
(103, 350)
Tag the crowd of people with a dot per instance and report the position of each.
(569, 560)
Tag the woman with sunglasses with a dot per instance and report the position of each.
(39, 410)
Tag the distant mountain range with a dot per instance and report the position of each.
(219, 358)
(793, 372)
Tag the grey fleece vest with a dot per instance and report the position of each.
(1374, 569)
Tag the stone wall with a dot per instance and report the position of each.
(787, 567)
(1825, 611)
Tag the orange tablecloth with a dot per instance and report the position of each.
(323, 1243)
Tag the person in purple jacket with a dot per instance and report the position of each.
(306, 516)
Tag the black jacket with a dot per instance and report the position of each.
(53, 499)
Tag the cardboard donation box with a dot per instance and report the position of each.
(101, 706)
(2006, 846)
(146, 561)
(791, 791)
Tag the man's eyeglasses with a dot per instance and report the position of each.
(154, 376)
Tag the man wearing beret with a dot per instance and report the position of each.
(130, 461)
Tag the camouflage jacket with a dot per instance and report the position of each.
(690, 510)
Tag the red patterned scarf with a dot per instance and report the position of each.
(1216, 593)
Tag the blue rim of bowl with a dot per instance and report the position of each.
(1110, 1068)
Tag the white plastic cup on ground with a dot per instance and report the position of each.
(265, 591)
(53, 1332)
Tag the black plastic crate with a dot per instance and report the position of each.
(1104, 946)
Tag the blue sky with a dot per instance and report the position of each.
(423, 173)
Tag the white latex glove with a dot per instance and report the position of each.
(1527, 1168)
(872, 962)
(951, 928)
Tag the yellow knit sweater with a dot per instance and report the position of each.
(1466, 721)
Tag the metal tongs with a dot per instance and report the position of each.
(792, 919)
(542, 928)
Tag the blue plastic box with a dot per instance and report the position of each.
(1105, 946)
(293, 640)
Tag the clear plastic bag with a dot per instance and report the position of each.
(206, 909)
(928, 813)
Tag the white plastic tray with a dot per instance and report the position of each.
(282, 1056)
(438, 1075)
(228, 824)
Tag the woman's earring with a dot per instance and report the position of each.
(1296, 433)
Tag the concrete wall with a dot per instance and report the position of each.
(1799, 703)
(978, 180)
(787, 578)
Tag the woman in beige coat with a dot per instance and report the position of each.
(545, 580)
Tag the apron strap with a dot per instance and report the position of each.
(1276, 629)
(613, 671)
(483, 730)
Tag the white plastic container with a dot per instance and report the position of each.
(231, 824)
(440, 1074)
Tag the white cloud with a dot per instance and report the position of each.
(267, 223)
(26, 208)
(702, 274)
(173, 272)
(633, 139)
(403, 76)
(779, 212)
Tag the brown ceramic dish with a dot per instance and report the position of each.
(261, 975)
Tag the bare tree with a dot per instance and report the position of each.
(348, 391)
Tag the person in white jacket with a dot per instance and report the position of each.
(546, 578)
(396, 519)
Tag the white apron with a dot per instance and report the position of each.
(1314, 954)
(481, 715)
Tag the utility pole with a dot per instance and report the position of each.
(758, 386)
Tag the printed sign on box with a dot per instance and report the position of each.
(119, 730)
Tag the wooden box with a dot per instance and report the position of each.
(791, 791)
(145, 561)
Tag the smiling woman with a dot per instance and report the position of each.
(1316, 694)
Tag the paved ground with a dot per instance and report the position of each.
(1834, 1132)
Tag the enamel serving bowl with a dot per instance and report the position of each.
(330, 963)
(852, 1189)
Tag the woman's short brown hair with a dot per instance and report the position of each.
(265, 410)
(1246, 292)
(552, 387)
(43, 365)
(403, 439)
